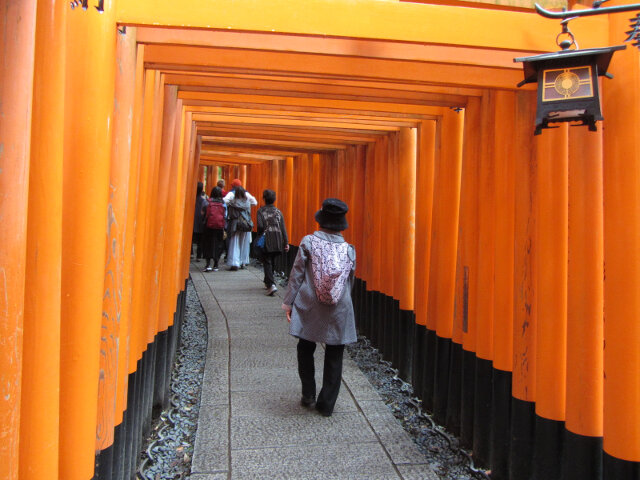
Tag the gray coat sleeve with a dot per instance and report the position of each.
(296, 277)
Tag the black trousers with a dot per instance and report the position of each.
(197, 239)
(331, 377)
(268, 261)
(213, 244)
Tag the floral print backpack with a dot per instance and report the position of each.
(331, 266)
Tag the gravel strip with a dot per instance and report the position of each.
(441, 449)
(168, 450)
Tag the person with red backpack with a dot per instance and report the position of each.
(213, 241)
(318, 304)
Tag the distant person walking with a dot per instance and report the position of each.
(318, 303)
(271, 223)
(221, 184)
(239, 226)
(198, 220)
(213, 236)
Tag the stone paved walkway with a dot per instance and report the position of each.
(251, 425)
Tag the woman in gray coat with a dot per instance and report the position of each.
(318, 303)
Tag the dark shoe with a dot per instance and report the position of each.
(233, 269)
(308, 402)
(323, 412)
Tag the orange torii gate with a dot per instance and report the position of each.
(481, 248)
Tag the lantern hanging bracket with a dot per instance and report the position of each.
(566, 16)
(567, 43)
(588, 12)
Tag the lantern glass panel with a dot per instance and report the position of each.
(567, 83)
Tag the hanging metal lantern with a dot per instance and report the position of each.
(568, 84)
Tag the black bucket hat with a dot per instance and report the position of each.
(332, 215)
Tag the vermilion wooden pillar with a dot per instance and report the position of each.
(243, 177)
(585, 322)
(365, 260)
(135, 203)
(549, 363)
(358, 173)
(39, 401)
(444, 245)
(467, 269)
(504, 152)
(129, 93)
(524, 290)
(424, 212)
(142, 232)
(288, 193)
(485, 283)
(115, 326)
(313, 200)
(89, 96)
(16, 74)
(621, 108)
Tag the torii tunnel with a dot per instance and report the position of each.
(482, 248)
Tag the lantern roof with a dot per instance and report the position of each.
(600, 56)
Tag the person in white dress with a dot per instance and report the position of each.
(239, 203)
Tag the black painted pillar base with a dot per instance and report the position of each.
(418, 359)
(374, 318)
(455, 389)
(103, 469)
(582, 459)
(522, 436)
(501, 428)
(428, 380)
(406, 344)
(441, 385)
(467, 395)
(396, 333)
(482, 412)
(160, 397)
(617, 469)
(387, 339)
(549, 442)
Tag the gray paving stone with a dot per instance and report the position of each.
(215, 385)
(257, 342)
(209, 476)
(275, 357)
(250, 313)
(362, 461)
(360, 387)
(261, 330)
(211, 450)
(265, 379)
(280, 402)
(291, 430)
(417, 472)
(400, 447)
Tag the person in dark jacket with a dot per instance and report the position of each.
(198, 220)
(213, 235)
(276, 241)
(319, 306)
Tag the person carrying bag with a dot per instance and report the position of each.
(273, 236)
(319, 306)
